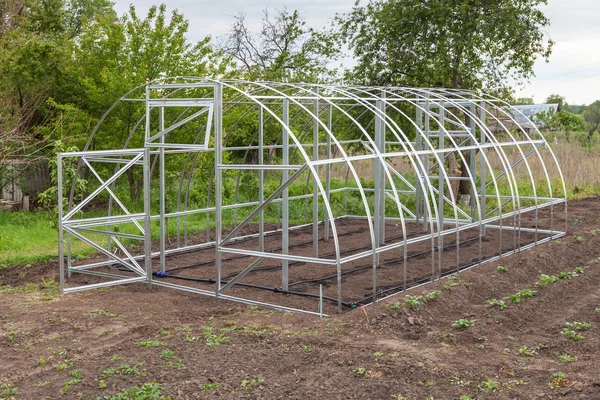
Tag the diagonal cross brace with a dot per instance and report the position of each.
(180, 123)
(102, 186)
(242, 274)
(263, 205)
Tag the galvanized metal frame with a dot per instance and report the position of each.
(310, 117)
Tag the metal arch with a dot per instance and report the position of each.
(312, 103)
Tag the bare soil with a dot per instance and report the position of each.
(377, 352)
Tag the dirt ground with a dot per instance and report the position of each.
(99, 343)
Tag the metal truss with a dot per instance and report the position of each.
(319, 137)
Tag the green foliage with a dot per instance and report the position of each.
(463, 323)
(571, 334)
(466, 44)
(147, 391)
(591, 115)
(9, 391)
(251, 383)
(566, 357)
(210, 386)
(499, 304)
(568, 122)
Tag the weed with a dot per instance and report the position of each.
(77, 376)
(499, 304)
(102, 313)
(213, 339)
(571, 334)
(489, 385)
(210, 386)
(429, 383)
(527, 351)
(563, 275)
(101, 384)
(558, 380)
(8, 391)
(414, 302)
(566, 357)
(11, 336)
(578, 326)
(463, 323)
(455, 380)
(124, 369)
(307, 348)
(378, 354)
(148, 343)
(359, 371)
(502, 269)
(249, 384)
(42, 361)
(147, 391)
(190, 338)
(546, 279)
(169, 355)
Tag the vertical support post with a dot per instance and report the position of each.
(419, 145)
(425, 159)
(473, 161)
(285, 207)
(483, 171)
(261, 179)
(147, 177)
(441, 169)
(328, 171)
(315, 208)
(61, 250)
(161, 167)
(218, 116)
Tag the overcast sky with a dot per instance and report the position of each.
(573, 70)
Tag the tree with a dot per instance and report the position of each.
(471, 44)
(592, 118)
(556, 99)
(523, 101)
(284, 50)
(568, 122)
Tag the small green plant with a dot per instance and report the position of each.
(558, 380)
(147, 391)
(578, 326)
(431, 296)
(249, 384)
(578, 239)
(499, 304)
(42, 361)
(563, 275)
(213, 339)
(378, 354)
(307, 348)
(527, 293)
(544, 280)
(190, 338)
(566, 357)
(502, 269)
(102, 313)
(597, 309)
(210, 386)
(413, 302)
(116, 357)
(124, 369)
(9, 391)
(170, 356)
(398, 396)
(577, 271)
(489, 384)
(455, 380)
(527, 351)
(359, 371)
(101, 384)
(42, 384)
(571, 334)
(463, 323)
(465, 397)
(148, 343)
